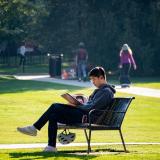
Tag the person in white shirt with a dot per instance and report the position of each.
(22, 51)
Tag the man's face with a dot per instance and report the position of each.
(97, 81)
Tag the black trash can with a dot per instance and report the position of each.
(55, 65)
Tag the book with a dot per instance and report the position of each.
(77, 100)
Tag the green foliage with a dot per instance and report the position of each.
(57, 27)
(19, 18)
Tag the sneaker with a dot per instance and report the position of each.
(50, 149)
(29, 130)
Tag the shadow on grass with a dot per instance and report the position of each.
(9, 84)
(117, 151)
(79, 154)
(44, 155)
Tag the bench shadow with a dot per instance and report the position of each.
(80, 154)
(44, 155)
(109, 150)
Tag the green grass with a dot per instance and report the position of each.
(29, 69)
(22, 102)
(149, 82)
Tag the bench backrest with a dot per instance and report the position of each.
(115, 115)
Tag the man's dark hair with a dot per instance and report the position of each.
(97, 72)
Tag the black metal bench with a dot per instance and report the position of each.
(104, 120)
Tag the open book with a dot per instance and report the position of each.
(77, 100)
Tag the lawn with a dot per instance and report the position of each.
(22, 102)
(149, 82)
(28, 69)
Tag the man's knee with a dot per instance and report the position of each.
(56, 107)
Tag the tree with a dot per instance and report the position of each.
(58, 26)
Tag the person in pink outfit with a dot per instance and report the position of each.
(126, 61)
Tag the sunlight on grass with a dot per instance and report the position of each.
(22, 102)
(25, 101)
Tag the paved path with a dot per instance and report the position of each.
(42, 145)
(132, 90)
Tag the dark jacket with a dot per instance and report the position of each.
(101, 98)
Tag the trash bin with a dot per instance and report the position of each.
(55, 65)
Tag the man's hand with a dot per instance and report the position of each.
(120, 66)
(134, 66)
(81, 98)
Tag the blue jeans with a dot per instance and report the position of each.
(58, 113)
(82, 70)
(22, 60)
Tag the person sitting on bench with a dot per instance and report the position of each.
(67, 114)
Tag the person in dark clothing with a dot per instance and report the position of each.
(67, 114)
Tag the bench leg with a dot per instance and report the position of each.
(122, 140)
(88, 138)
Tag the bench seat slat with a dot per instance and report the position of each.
(86, 126)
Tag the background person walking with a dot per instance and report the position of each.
(21, 52)
(126, 60)
(81, 61)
